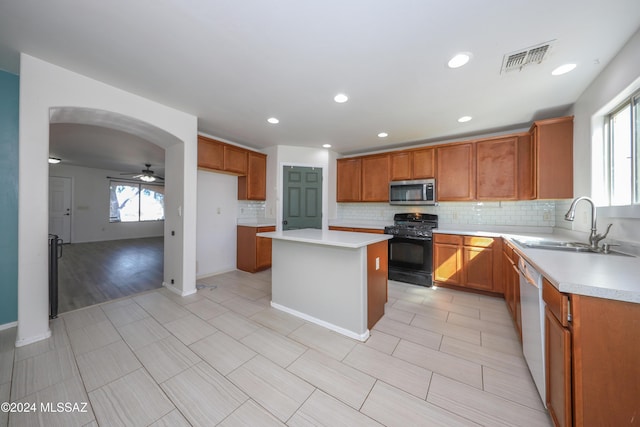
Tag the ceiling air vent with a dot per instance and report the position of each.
(521, 58)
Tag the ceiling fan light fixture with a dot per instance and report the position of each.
(147, 178)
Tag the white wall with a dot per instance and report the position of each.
(216, 223)
(90, 207)
(616, 79)
(44, 86)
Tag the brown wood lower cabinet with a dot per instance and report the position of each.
(377, 273)
(511, 283)
(472, 262)
(593, 373)
(253, 252)
(557, 355)
(447, 259)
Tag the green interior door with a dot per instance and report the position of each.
(302, 198)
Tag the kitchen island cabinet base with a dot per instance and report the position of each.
(329, 285)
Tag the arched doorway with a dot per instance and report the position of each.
(112, 226)
(43, 89)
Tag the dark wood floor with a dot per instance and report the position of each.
(91, 273)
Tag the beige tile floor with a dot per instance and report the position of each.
(224, 357)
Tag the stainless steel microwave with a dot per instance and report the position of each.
(413, 192)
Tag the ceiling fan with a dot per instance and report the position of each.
(147, 175)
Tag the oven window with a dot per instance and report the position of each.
(407, 253)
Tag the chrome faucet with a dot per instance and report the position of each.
(594, 237)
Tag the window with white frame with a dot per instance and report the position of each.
(623, 153)
(135, 202)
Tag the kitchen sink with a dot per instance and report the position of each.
(558, 245)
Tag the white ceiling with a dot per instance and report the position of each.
(236, 63)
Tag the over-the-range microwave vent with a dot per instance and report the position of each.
(529, 56)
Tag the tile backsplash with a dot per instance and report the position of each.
(522, 213)
(534, 213)
(562, 207)
(249, 210)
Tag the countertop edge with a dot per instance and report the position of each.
(343, 239)
(536, 258)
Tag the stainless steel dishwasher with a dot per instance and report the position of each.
(532, 306)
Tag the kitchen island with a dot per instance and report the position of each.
(335, 279)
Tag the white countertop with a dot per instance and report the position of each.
(605, 276)
(379, 225)
(610, 276)
(264, 222)
(344, 239)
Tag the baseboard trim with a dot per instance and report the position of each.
(215, 273)
(8, 325)
(31, 340)
(356, 336)
(178, 291)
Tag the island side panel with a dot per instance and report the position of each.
(324, 282)
(377, 275)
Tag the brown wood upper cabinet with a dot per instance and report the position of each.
(401, 166)
(363, 179)
(553, 147)
(250, 166)
(497, 169)
(413, 164)
(235, 159)
(521, 166)
(349, 178)
(253, 185)
(456, 172)
(375, 178)
(210, 153)
(221, 157)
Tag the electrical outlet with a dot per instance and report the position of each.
(546, 216)
(377, 263)
(455, 215)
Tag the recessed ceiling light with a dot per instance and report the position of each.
(464, 119)
(326, 145)
(54, 160)
(563, 69)
(459, 60)
(340, 98)
(383, 135)
(273, 120)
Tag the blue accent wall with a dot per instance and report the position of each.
(9, 101)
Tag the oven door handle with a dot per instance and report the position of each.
(412, 238)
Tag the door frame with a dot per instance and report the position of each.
(71, 216)
(280, 200)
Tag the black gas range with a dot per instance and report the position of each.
(411, 248)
